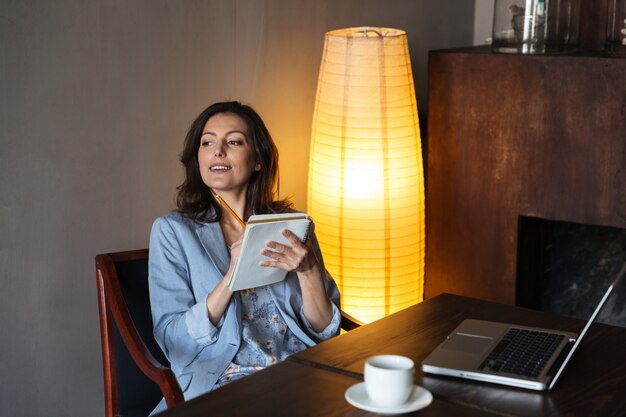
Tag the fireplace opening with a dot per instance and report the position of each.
(565, 268)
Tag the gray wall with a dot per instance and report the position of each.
(95, 97)
(483, 21)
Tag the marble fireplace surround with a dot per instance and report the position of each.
(565, 268)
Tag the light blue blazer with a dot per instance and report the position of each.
(187, 260)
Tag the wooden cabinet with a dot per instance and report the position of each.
(510, 136)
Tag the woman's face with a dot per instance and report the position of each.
(226, 154)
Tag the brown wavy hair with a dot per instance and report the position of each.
(195, 199)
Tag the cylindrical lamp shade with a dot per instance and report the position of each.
(366, 181)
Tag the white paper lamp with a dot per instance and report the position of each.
(366, 181)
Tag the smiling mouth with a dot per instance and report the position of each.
(220, 168)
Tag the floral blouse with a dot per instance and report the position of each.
(266, 339)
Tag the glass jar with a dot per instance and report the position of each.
(616, 28)
(535, 26)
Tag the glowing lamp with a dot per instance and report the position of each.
(366, 181)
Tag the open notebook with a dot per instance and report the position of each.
(509, 354)
(259, 229)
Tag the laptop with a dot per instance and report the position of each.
(501, 353)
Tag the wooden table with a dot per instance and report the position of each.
(313, 382)
(292, 389)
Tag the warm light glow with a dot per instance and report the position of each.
(366, 182)
(362, 180)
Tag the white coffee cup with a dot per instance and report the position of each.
(389, 379)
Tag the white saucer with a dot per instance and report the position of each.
(357, 396)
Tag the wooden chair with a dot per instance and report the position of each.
(348, 322)
(136, 373)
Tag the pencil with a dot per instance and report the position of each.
(231, 211)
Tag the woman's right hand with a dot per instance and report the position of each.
(217, 301)
(234, 254)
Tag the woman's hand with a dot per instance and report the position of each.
(301, 259)
(298, 257)
(218, 299)
(234, 254)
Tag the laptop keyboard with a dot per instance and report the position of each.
(522, 352)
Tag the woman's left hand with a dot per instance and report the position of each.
(298, 257)
(301, 258)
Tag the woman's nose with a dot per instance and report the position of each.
(219, 150)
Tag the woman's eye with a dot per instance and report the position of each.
(206, 143)
(234, 142)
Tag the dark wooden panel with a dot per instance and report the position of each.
(513, 135)
(593, 21)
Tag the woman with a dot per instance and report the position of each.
(210, 334)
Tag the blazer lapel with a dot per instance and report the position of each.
(212, 239)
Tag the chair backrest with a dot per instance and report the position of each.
(136, 373)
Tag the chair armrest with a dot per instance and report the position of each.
(348, 322)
